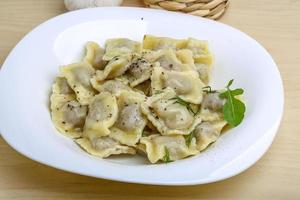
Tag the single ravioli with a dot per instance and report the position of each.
(156, 43)
(167, 116)
(115, 67)
(78, 76)
(131, 121)
(104, 147)
(94, 55)
(158, 147)
(103, 113)
(67, 114)
(186, 84)
(208, 132)
(120, 47)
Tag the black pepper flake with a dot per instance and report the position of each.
(77, 92)
(142, 18)
(63, 122)
(170, 65)
(165, 109)
(74, 86)
(135, 103)
(66, 130)
(156, 117)
(109, 115)
(97, 120)
(181, 119)
(57, 108)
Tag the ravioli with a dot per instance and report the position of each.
(187, 84)
(103, 113)
(67, 114)
(168, 117)
(208, 132)
(78, 76)
(147, 97)
(104, 147)
(131, 122)
(157, 146)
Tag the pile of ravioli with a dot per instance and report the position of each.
(142, 98)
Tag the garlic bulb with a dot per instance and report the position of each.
(79, 4)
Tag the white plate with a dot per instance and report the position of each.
(29, 71)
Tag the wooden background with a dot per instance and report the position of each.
(274, 23)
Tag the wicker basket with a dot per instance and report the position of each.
(212, 9)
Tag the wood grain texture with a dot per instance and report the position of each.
(275, 24)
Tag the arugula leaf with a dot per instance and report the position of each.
(186, 104)
(166, 158)
(233, 109)
(235, 92)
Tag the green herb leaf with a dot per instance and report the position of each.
(166, 158)
(185, 104)
(158, 91)
(188, 138)
(235, 92)
(207, 89)
(229, 83)
(233, 109)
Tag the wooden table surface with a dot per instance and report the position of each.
(275, 24)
